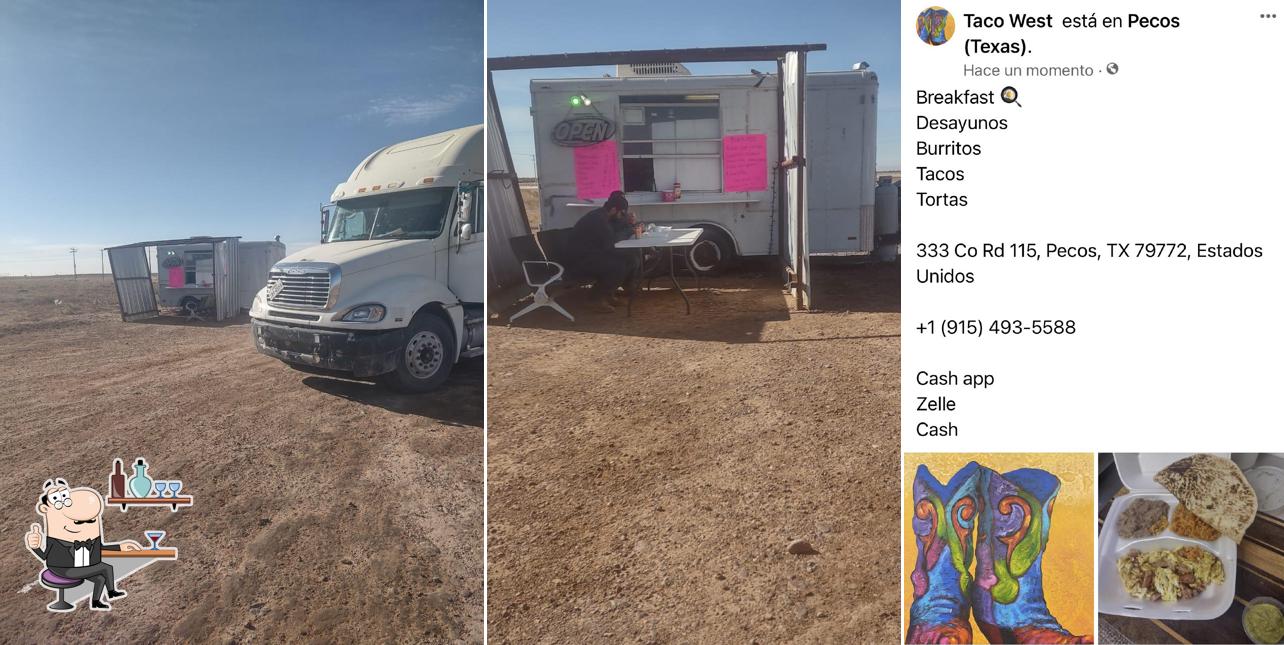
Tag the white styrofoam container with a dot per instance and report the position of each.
(1137, 472)
(1268, 501)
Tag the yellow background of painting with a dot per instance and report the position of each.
(1068, 562)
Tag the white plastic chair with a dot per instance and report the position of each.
(540, 297)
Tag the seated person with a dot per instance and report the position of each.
(593, 240)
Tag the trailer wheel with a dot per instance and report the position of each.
(426, 356)
(713, 253)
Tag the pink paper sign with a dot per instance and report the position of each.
(744, 163)
(176, 278)
(597, 170)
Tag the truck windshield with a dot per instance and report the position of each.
(417, 214)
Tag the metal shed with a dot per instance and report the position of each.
(136, 292)
(506, 214)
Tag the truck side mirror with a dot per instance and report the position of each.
(463, 211)
(325, 221)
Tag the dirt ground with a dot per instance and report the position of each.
(325, 510)
(646, 474)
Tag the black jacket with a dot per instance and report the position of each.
(62, 555)
(596, 233)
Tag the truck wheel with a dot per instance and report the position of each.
(713, 253)
(426, 356)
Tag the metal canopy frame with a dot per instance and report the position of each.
(503, 267)
(120, 299)
(188, 240)
(690, 55)
(796, 261)
(794, 277)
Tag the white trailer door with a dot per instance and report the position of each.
(132, 274)
(225, 301)
(835, 152)
(466, 259)
(796, 229)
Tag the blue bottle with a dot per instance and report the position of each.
(140, 485)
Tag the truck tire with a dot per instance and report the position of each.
(426, 356)
(713, 253)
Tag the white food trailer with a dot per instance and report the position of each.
(214, 276)
(668, 131)
(732, 155)
(186, 275)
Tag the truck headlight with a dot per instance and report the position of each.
(365, 314)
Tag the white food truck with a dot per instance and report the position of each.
(396, 289)
(673, 135)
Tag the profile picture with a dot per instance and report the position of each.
(935, 26)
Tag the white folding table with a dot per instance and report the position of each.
(666, 240)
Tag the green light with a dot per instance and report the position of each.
(576, 101)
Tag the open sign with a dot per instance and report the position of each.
(583, 131)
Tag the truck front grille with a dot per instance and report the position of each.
(309, 290)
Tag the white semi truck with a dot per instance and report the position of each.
(396, 289)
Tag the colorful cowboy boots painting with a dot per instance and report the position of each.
(1002, 519)
(944, 518)
(1015, 517)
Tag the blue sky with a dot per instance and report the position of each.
(134, 120)
(854, 31)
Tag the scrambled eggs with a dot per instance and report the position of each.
(1170, 574)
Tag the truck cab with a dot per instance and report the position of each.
(396, 288)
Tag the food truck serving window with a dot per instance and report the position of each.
(670, 139)
(198, 268)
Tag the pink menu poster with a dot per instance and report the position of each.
(176, 278)
(744, 163)
(597, 170)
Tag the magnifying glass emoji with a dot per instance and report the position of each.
(1009, 95)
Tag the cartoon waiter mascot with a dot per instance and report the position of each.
(71, 543)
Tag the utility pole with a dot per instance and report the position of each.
(102, 264)
(73, 262)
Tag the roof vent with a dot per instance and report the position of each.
(652, 69)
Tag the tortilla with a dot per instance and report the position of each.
(1214, 489)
